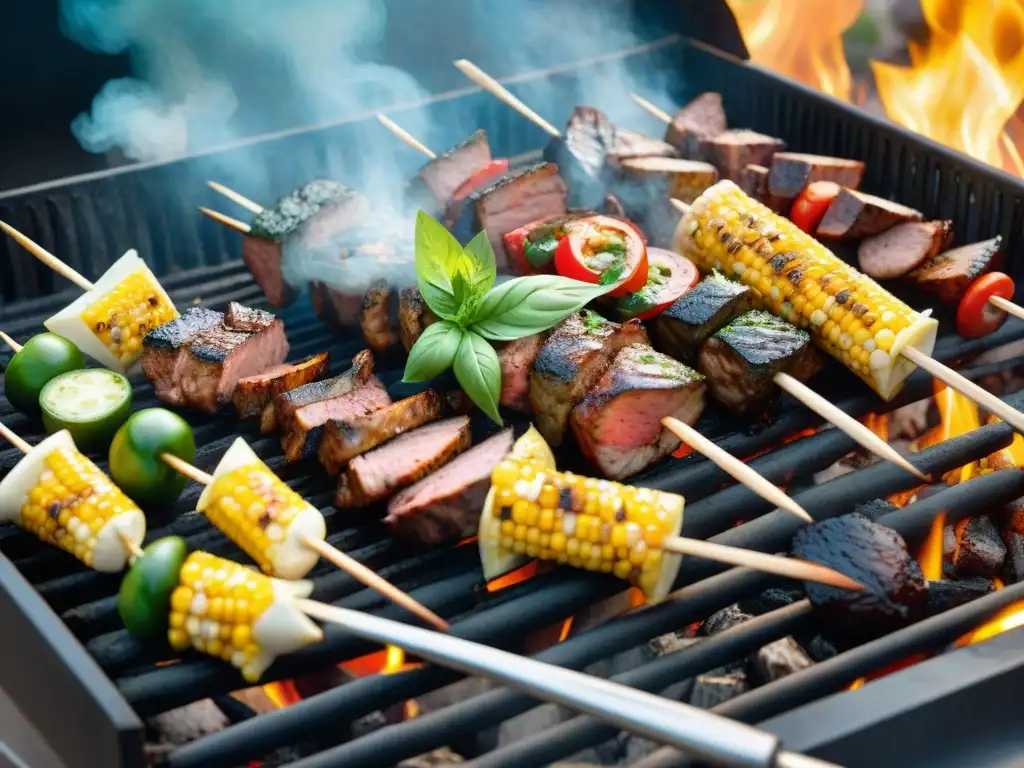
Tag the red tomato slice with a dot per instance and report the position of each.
(586, 254)
(977, 316)
(809, 208)
(481, 178)
(669, 276)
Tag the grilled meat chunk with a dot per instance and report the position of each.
(580, 155)
(754, 181)
(902, 249)
(306, 427)
(895, 594)
(253, 393)
(854, 215)
(630, 145)
(742, 358)
(792, 171)
(683, 327)
(517, 198)
(163, 347)
(375, 318)
(443, 175)
(733, 150)
(242, 318)
(516, 359)
(357, 432)
(446, 505)
(573, 358)
(696, 124)
(618, 423)
(414, 316)
(401, 462)
(948, 275)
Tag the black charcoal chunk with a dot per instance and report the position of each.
(875, 509)
(772, 599)
(1013, 565)
(979, 551)
(779, 659)
(727, 618)
(950, 593)
(713, 689)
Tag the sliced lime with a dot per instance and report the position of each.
(91, 404)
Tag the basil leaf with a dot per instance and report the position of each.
(532, 304)
(481, 256)
(434, 352)
(479, 373)
(439, 257)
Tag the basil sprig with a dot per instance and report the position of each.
(458, 285)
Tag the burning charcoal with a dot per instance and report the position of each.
(792, 171)
(1013, 566)
(821, 649)
(948, 542)
(771, 600)
(713, 689)
(854, 215)
(188, 723)
(873, 510)
(895, 594)
(1013, 517)
(727, 618)
(948, 593)
(779, 659)
(979, 551)
(697, 123)
(732, 151)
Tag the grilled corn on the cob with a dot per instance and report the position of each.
(109, 322)
(237, 614)
(261, 514)
(532, 510)
(798, 279)
(63, 498)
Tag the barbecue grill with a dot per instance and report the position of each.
(85, 685)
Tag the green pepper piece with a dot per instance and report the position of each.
(44, 357)
(135, 463)
(144, 600)
(540, 252)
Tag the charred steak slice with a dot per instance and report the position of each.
(516, 359)
(696, 124)
(902, 249)
(573, 358)
(732, 151)
(446, 505)
(618, 424)
(253, 393)
(401, 462)
(683, 327)
(754, 181)
(218, 357)
(375, 317)
(742, 358)
(306, 428)
(287, 404)
(950, 274)
(163, 347)
(347, 437)
(630, 145)
(854, 215)
(792, 171)
(414, 316)
(580, 155)
(443, 175)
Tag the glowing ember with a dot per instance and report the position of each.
(1009, 618)
(514, 577)
(877, 423)
(282, 694)
(566, 629)
(930, 557)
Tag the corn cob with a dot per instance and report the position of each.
(109, 322)
(261, 514)
(237, 614)
(533, 510)
(63, 498)
(798, 279)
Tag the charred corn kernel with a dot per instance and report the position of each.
(261, 514)
(808, 285)
(597, 524)
(265, 622)
(58, 494)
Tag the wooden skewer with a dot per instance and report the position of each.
(760, 561)
(47, 258)
(235, 224)
(10, 342)
(14, 439)
(405, 136)
(348, 564)
(230, 194)
(488, 83)
(131, 546)
(655, 110)
(740, 471)
(1007, 306)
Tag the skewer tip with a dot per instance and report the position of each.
(10, 342)
(679, 205)
(220, 218)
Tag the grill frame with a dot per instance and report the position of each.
(152, 208)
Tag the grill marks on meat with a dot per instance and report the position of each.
(401, 462)
(742, 358)
(254, 393)
(349, 435)
(446, 505)
(247, 319)
(307, 425)
(948, 275)
(902, 249)
(573, 358)
(516, 359)
(618, 423)
(683, 327)
(443, 175)
(854, 215)
(163, 346)
(792, 171)
(375, 317)
(414, 316)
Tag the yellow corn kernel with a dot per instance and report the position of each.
(123, 317)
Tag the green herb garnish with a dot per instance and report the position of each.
(540, 253)
(613, 273)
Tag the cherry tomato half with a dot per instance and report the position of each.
(977, 316)
(603, 250)
(481, 177)
(669, 276)
(809, 208)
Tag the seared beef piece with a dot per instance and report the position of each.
(742, 358)
(950, 274)
(979, 550)
(242, 318)
(306, 427)
(516, 359)
(263, 259)
(517, 198)
(443, 175)
(630, 145)
(580, 154)
(414, 316)
(854, 215)
(730, 152)
(253, 393)
(949, 593)
(618, 423)
(218, 357)
(375, 318)
(446, 504)
(895, 594)
(339, 310)
(683, 327)
(696, 124)
(457, 403)
(792, 171)
(348, 436)
(902, 249)
(163, 347)
(754, 181)
(571, 361)
(401, 462)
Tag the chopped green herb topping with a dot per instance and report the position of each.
(291, 211)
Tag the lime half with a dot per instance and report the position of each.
(90, 404)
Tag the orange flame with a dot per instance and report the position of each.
(931, 549)
(1011, 617)
(514, 577)
(282, 693)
